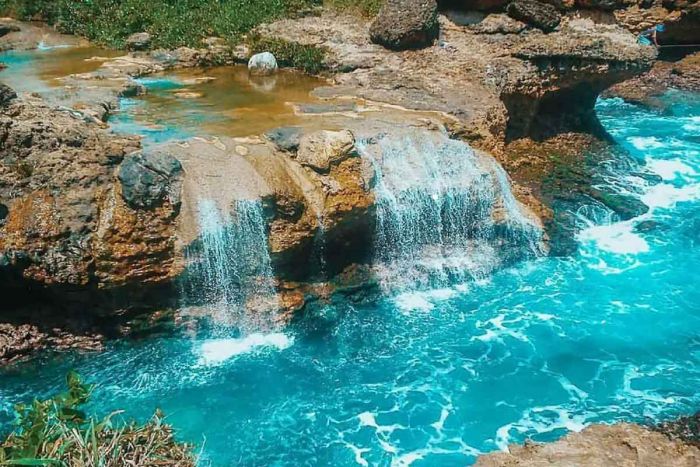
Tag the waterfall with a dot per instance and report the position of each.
(229, 269)
(444, 212)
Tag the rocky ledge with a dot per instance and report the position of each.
(600, 445)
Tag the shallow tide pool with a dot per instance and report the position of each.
(436, 377)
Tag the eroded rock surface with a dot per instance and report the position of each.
(406, 24)
(67, 232)
(600, 445)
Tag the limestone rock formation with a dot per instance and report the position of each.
(537, 14)
(6, 94)
(406, 24)
(499, 24)
(67, 234)
(139, 41)
(599, 445)
(262, 64)
(150, 179)
(321, 150)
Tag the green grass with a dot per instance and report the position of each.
(303, 57)
(57, 432)
(172, 23)
(367, 8)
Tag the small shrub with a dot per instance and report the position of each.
(57, 432)
(304, 57)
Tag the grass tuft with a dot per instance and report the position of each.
(57, 432)
(304, 57)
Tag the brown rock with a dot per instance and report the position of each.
(600, 445)
(322, 149)
(406, 24)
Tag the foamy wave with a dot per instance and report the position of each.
(666, 196)
(615, 238)
(645, 142)
(669, 169)
(219, 350)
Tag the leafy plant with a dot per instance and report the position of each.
(57, 432)
(304, 57)
(172, 23)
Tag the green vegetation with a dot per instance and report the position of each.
(366, 8)
(304, 57)
(57, 432)
(172, 23)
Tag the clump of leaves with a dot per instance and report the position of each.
(308, 58)
(57, 432)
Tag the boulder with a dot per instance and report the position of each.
(262, 64)
(138, 41)
(148, 180)
(406, 24)
(6, 94)
(322, 149)
(537, 14)
(285, 138)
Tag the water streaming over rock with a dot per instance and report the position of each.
(229, 270)
(444, 212)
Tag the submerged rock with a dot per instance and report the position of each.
(537, 14)
(139, 41)
(406, 24)
(262, 64)
(150, 179)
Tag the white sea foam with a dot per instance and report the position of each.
(666, 196)
(219, 350)
(645, 142)
(422, 300)
(669, 169)
(615, 238)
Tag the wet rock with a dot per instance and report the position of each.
(648, 226)
(598, 445)
(262, 64)
(139, 41)
(148, 180)
(627, 207)
(17, 342)
(537, 14)
(286, 138)
(6, 94)
(6, 28)
(686, 429)
(406, 24)
(322, 149)
(499, 24)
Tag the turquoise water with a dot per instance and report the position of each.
(435, 377)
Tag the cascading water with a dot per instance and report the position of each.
(444, 213)
(229, 270)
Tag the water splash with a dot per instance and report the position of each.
(444, 213)
(230, 271)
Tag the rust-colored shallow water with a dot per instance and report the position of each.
(222, 101)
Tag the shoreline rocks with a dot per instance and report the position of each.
(599, 445)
